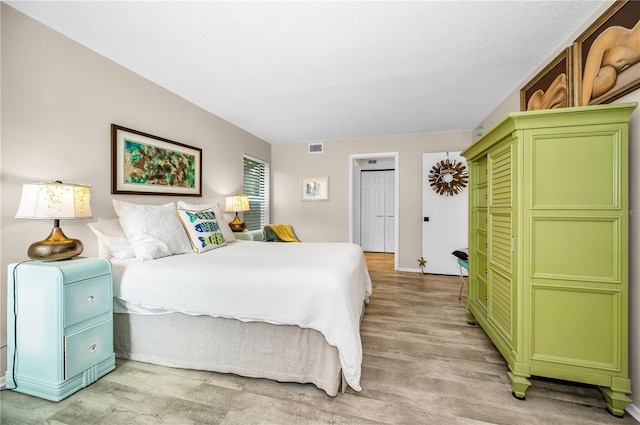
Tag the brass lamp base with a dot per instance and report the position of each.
(237, 225)
(56, 247)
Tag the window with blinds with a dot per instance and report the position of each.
(256, 185)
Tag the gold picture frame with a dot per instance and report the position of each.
(603, 68)
(552, 87)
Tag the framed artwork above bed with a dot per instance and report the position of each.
(143, 164)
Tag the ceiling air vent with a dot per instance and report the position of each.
(315, 147)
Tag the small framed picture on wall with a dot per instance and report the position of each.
(315, 188)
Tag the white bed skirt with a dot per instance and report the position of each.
(251, 349)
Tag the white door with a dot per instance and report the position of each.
(377, 211)
(445, 220)
(389, 211)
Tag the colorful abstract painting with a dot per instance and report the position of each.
(151, 165)
(143, 164)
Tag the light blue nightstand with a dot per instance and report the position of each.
(64, 326)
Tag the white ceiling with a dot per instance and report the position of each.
(294, 71)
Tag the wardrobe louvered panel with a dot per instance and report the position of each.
(500, 178)
(501, 240)
(500, 306)
(500, 309)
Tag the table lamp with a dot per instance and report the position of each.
(55, 200)
(234, 204)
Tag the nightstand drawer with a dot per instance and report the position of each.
(87, 348)
(85, 299)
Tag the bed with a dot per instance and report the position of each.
(289, 312)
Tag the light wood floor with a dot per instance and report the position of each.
(423, 364)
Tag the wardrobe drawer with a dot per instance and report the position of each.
(85, 299)
(482, 196)
(87, 348)
(482, 270)
(482, 293)
(482, 219)
(482, 170)
(482, 243)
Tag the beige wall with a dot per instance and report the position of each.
(329, 221)
(58, 101)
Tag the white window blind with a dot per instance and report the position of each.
(256, 185)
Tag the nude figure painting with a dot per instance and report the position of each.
(550, 88)
(608, 54)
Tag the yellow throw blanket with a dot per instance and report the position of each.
(283, 232)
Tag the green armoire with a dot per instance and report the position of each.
(548, 246)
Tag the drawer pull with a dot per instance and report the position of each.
(93, 347)
(91, 299)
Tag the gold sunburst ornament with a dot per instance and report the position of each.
(448, 177)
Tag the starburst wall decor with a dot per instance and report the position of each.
(448, 177)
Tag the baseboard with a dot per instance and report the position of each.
(402, 269)
(634, 411)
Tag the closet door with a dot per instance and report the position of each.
(372, 234)
(389, 211)
(378, 211)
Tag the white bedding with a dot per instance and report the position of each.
(321, 286)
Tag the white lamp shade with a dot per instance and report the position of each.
(237, 203)
(54, 200)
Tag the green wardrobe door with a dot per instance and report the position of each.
(501, 306)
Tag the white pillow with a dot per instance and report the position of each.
(203, 229)
(110, 233)
(154, 231)
(224, 225)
